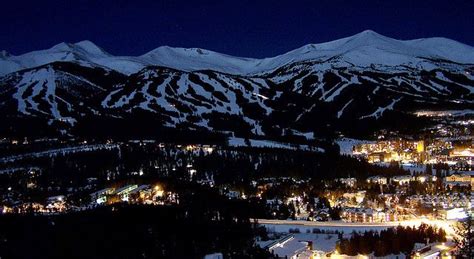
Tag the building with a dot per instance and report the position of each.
(233, 194)
(402, 179)
(357, 196)
(420, 146)
(459, 180)
(378, 157)
(432, 251)
(124, 192)
(369, 215)
(426, 178)
(142, 192)
(454, 213)
(320, 245)
(350, 182)
(214, 256)
(100, 196)
(288, 247)
(377, 179)
(56, 203)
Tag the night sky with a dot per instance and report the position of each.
(244, 28)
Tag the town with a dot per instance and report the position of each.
(377, 186)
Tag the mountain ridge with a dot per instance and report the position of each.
(316, 90)
(362, 49)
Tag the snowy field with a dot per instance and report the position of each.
(346, 144)
(447, 113)
(240, 142)
(284, 226)
(59, 151)
(412, 168)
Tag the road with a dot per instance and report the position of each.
(59, 151)
(446, 225)
(327, 223)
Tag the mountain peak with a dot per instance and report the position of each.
(178, 50)
(63, 46)
(363, 49)
(369, 32)
(84, 46)
(370, 36)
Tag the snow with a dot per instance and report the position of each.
(347, 229)
(320, 242)
(284, 226)
(339, 87)
(379, 112)
(59, 151)
(446, 113)
(341, 111)
(346, 144)
(18, 169)
(361, 50)
(288, 248)
(412, 168)
(307, 135)
(41, 81)
(240, 142)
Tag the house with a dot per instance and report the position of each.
(377, 179)
(402, 179)
(302, 245)
(434, 250)
(378, 157)
(214, 256)
(357, 196)
(100, 196)
(459, 180)
(233, 194)
(141, 191)
(288, 247)
(454, 213)
(56, 203)
(124, 192)
(320, 245)
(350, 182)
(426, 178)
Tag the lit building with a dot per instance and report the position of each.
(420, 146)
(125, 191)
(432, 251)
(377, 179)
(351, 182)
(357, 196)
(454, 213)
(402, 179)
(459, 180)
(288, 247)
(100, 196)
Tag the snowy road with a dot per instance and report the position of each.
(59, 151)
(347, 227)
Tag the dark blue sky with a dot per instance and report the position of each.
(240, 27)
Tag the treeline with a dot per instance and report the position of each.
(390, 241)
(244, 164)
(234, 167)
(225, 165)
(192, 229)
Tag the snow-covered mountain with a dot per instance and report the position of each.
(361, 50)
(355, 84)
